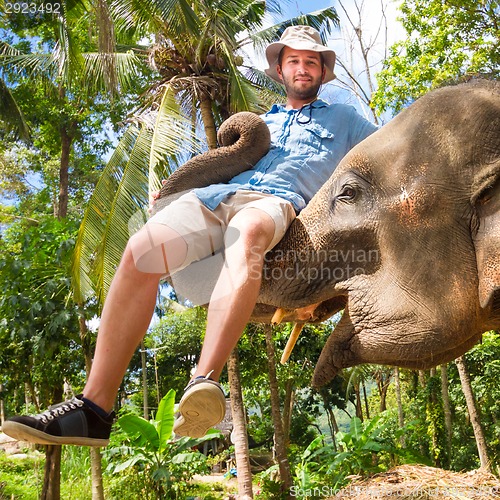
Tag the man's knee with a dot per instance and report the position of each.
(128, 261)
(156, 249)
(142, 255)
(253, 232)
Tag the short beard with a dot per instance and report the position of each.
(306, 94)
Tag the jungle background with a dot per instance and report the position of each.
(99, 101)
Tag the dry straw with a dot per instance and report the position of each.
(423, 483)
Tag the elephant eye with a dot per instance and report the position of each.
(347, 193)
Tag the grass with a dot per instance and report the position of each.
(22, 479)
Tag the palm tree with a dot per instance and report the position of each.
(239, 435)
(12, 117)
(279, 435)
(474, 415)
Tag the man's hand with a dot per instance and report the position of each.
(154, 196)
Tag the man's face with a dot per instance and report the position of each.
(302, 73)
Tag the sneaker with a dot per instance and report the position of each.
(71, 422)
(202, 406)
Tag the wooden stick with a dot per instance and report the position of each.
(297, 328)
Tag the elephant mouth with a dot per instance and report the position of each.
(317, 313)
(310, 313)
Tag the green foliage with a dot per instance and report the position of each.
(269, 485)
(21, 478)
(296, 375)
(38, 321)
(173, 348)
(365, 449)
(484, 367)
(445, 40)
(62, 97)
(164, 465)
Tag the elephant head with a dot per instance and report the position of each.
(405, 236)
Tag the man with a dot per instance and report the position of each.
(246, 217)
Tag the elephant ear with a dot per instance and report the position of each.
(486, 237)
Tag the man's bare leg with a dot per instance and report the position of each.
(87, 420)
(203, 404)
(237, 289)
(129, 308)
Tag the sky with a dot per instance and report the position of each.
(371, 8)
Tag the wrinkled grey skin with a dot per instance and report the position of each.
(405, 237)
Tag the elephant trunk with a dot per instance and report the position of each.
(244, 139)
(291, 277)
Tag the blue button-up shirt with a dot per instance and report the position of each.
(306, 147)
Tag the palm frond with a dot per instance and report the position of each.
(31, 65)
(128, 66)
(179, 17)
(324, 20)
(107, 45)
(66, 53)
(135, 19)
(172, 134)
(145, 154)
(269, 91)
(11, 115)
(243, 94)
(118, 200)
(356, 375)
(174, 17)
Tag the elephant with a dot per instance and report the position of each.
(404, 238)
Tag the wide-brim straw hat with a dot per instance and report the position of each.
(300, 38)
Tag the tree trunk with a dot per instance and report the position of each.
(96, 471)
(334, 428)
(95, 453)
(433, 430)
(359, 406)
(145, 404)
(208, 121)
(421, 378)
(365, 398)
(279, 439)
(446, 408)
(473, 413)
(383, 378)
(287, 410)
(62, 206)
(401, 420)
(51, 489)
(332, 421)
(52, 477)
(240, 437)
(67, 135)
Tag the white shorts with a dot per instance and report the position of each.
(204, 230)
